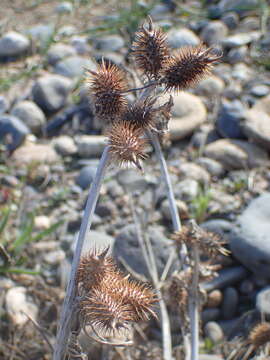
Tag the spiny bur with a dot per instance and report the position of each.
(260, 335)
(141, 113)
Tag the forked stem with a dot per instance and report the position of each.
(67, 313)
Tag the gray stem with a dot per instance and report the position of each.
(67, 314)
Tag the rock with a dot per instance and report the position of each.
(212, 166)
(178, 38)
(14, 128)
(127, 248)
(188, 114)
(250, 243)
(242, 72)
(263, 301)
(67, 31)
(237, 55)
(35, 153)
(54, 257)
(237, 40)
(246, 287)
(64, 8)
(50, 92)
(181, 207)
(210, 86)
(90, 145)
(31, 115)
(259, 90)
(230, 303)
(18, 304)
(230, 118)
(132, 180)
(263, 105)
(65, 145)
(210, 357)
(194, 171)
(210, 314)
(225, 278)
(214, 32)
(13, 44)
(239, 6)
(86, 176)
(42, 222)
(4, 105)
(80, 44)
(257, 128)
(58, 52)
(73, 66)
(97, 240)
(231, 19)
(109, 43)
(218, 226)
(41, 33)
(214, 299)
(106, 209)
(214, 332)
(187, 190)
(236, 154)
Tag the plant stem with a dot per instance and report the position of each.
(193, 305)
(67, 315)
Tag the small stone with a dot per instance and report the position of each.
(212, 166)
(237, 55)
(65, 145)
(214, 32)
(64, 8)
(225, 278)
(54, 257)
(246, 287)
(66, 30)
(18, 304)
(42, 222)
(231, 19)
(194, 171)
(32, 116)
(178, 38)
(214, 332)
(242, 72)
(210, 86)
(210, 314)
(80, 44)
(13, 44)
(131, 180)
(257, 127)
(73, 66)
(241, 7)
(263, 301)
(237, 40)
(86, 176)
(180, 205)
(106, 209)
(3, 104)
(15, 129)
(187, 189)
(210, 357)
(230, 303)
(90, 145)
(97, 240)
(236, 154)
(41, 33)
(109, 43)
(50, 92)
(58, 52)
(214, 299)
(35, 153)
(259, 90)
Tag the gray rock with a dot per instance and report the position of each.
(212, 166)
(187, 189)
(231, 19)
(194, 171)
(65, 145)
(257, 127)
(35, 153)
(41, 33)
(90, 145)
(239, 6)
(218, 226)
(132, 180)
(32, 116)
(210, 314)
(73, 66)
(263, 301)
(237, 55)
(54, 257)
(237, 40)
(109, 43)
(250, 244)
(166, 212)
(259, 90)
(80, 44)
(214, 332)
(64, 8)
(182, 37)
(230, 303)
(66, 31)
(106, 209)
(13, 44)
(86, 176)
(14, 128)
(96, 240)
(225, 278)
(236, 154)
(214, 32)
(4, 105)
(210, 86)
(58, 52)
(50, 92)
(242, 72)
(210, 357)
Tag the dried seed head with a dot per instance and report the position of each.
(260, 335)
(141, 114)
(150, 50)
(178, 292)
(187, 67)
(106, 87)
(127, 146)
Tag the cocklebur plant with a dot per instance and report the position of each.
(130, 128)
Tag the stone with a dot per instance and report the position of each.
(236, 154)
(109, 43)
(41, 33)
(239, 6)
(242, 72)
(97, 240)
(230, 118)
(15, 129)
(19, 305)
(132, 180)
(187, 189)
(73, 66)
(257, 128)
(194, 171)
(210, 86)
(80, 44)
(230, 303)
(50, 92)
(4, 105)
(231, 19)
(210, 357)
(86, 176)
(237, 40)
(259, 90)
(237, 55)
(13, 44)
(214, 299)
(64, 7)
(31, 115)
(250, 242)
(42, 222)
(106, 209)
(35, 153)
(214, 332)
(188, 113)
(214, 32)
(210, 314)
(66, 31)
(178, 38)
(90, 145)
(212, 166)
(58, 52)
(65, 145)
(226, 277)
(54, 257)
(219, 226)
(263, 301)
(180, 205)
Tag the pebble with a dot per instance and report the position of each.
(106, 209)
(250, 243)
(237, 40)
(231, 19)
(214, 332)
(219, 226)
(259, 90)
(50, 92)
(41, 33)
(230, 118)
(225, 278)
(178, 38)
(210, 357)
(18, 303)
(54, 257)
(236, 154)
(132, 180)
(86, 176)
(109, 43)
(237, 55)
(180, 205)
(263, 301)
(194, 171)
(73, 66)
(210, 86)
(187, 189)
(80, 44)
(66, 31)
(239, 6)
(42, 222)
(257, 127)
(242, 72)
(14, 128)
(97, 240)
(214, 32)
(214, 299)
(230, 303)
(65, 145)
(212, 166)
(13, 44)
(31, 115)
(35, 153)
(90, 145)
(4, 105)
(210, 314)
(246, 287)
(58, 52)
(64, 8)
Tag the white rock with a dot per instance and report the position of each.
(90, 145)
(13, 44)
